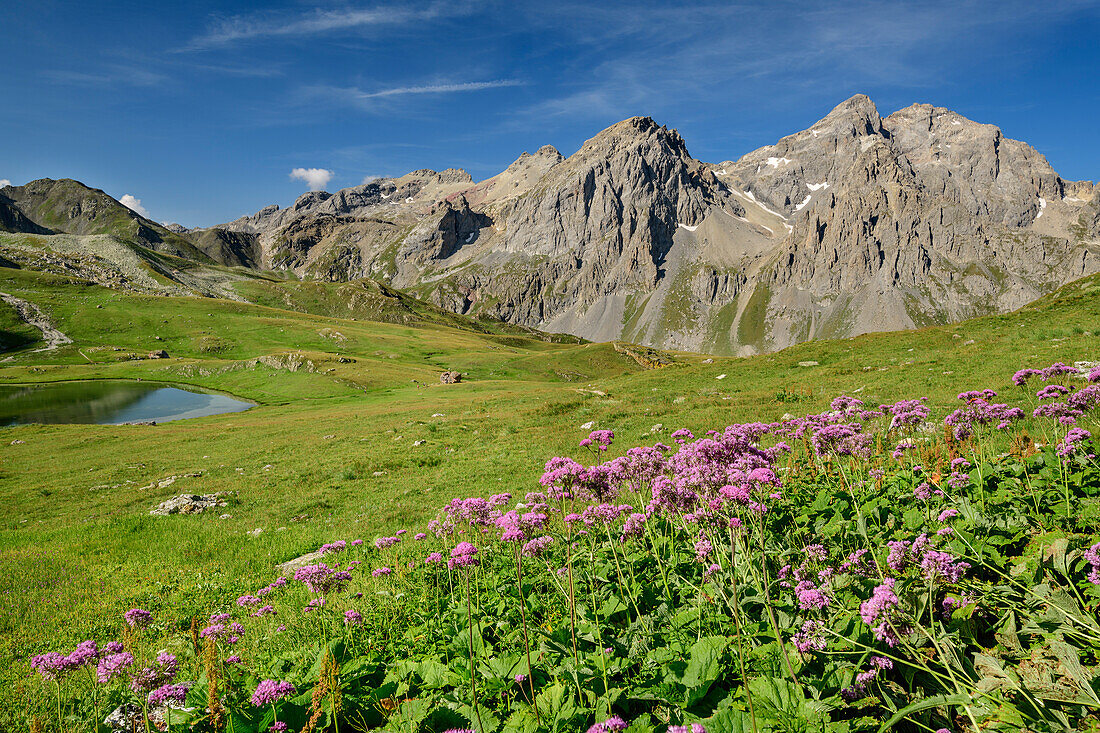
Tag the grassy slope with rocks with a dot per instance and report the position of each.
(329, 451)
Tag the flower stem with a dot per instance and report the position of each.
(526, 641)
(470, 623)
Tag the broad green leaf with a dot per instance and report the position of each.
(703, 666)
(731, 720)
(925, 704)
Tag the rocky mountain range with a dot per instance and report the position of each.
(859, 223)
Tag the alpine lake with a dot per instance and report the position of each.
(109, 402)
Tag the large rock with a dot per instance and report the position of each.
(289, 567)
(450, 377)
(189, 504)
(126, 718)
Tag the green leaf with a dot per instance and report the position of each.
(703, 666)
(731, 720)
(434, 674)
(928, 702)
(556, 704)
(611, 606)
(782, 700)
(1068, 656)
(914, 518)
(522, 721)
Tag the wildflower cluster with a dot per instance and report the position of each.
(680, 588)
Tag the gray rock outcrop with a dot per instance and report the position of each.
(189, 504)
(290, 566)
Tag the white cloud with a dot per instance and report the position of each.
(268, 25)
(371, 179)
(4, 182)
(467, 86)
(134, 204)
(315, 178)
(370, 100)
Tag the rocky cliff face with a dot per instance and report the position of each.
(858, 223)
(599, 225)
(923, 217)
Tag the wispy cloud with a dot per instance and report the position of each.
(663, 60)
(109, 76)
(4, 182)
(366, 99)
(224, 31)
(258, 72)
(133, 204)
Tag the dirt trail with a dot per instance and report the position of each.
(33, 315)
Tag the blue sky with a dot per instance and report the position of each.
(201, 110)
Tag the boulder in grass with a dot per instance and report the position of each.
(126, 717)
(289, 567)
(188, 504)
(450, 377)
(158, 354)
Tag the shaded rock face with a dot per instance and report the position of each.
(858, 223)
(14, 220)
(236, 249)
(441, 236)
(450, 377)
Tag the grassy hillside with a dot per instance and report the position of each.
(330, 450)
(371, 300)
(71, 207)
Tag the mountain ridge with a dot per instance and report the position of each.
(858, 223)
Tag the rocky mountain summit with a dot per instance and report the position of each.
(859, 223)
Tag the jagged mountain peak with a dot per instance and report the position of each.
(515, 180)
(932, 116)
(447, 175)
(548, 151)
(858, 111)
(544, 157)
(634, 131)
(309, 199)
(800, 168)
(973, 164)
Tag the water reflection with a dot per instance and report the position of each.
(108, 402)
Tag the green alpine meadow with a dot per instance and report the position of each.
(445, 366)
(894, 532)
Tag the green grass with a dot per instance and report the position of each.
(15, 334)
(752, 328)
(329, 452)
